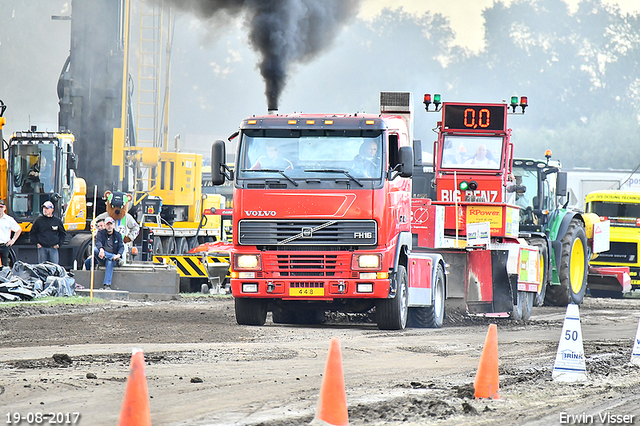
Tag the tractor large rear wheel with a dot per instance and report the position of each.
(572, 271)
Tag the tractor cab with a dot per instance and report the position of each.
(541, 185)
(40, 167)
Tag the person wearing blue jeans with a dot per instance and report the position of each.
(108, 251)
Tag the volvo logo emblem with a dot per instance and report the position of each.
(259, 213)
(307, 232)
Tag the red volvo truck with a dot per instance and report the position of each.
(324, 220)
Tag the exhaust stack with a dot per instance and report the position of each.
(272, 111)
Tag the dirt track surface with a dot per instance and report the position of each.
(203, 369)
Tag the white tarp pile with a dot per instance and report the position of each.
(26, 281)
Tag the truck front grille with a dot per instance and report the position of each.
(619, 252)
(285, 233)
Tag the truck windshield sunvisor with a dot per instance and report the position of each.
(312, 153)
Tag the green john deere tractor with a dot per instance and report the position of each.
(558, 233)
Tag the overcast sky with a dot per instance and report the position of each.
(215, 82)
(465, 16)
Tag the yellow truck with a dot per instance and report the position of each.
(622, 210)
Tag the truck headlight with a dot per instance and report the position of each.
(247, 261)
(367, 261)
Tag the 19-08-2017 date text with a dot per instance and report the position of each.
(42, 418)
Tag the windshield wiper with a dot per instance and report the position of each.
(335, 171)
(273, 171)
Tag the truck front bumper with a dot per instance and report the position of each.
(311, 289)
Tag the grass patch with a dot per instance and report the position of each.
(53, 301)
(201, 295)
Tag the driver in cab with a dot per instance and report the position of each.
(367, 160)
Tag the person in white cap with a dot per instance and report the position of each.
(7, 225)
(108, 251)
(48, 233)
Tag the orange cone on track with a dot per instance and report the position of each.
(332, 407)
(135, 408)
(486, 384)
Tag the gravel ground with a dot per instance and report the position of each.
(204, 369)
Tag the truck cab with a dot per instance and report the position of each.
(321, 215)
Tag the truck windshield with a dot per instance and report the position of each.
(620, 214)
(33, 177)
(471, 152)
(311, 154)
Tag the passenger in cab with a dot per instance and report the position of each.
(481, 160)
(272, 160)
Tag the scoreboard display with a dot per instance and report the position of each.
(475, 117)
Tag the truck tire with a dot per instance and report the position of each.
(283, 316)
(169, 245)
(183, 245)
(84, 252)
(430, 316)
(157, 245)
(391, 314)
(543, 252)
(522, 311)
(250, 311)
(309, 316)
(572, 271)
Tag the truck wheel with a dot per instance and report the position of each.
(83, 253)
(430, 316)
(169, 245)
(183, 245)
(543, 253)
(522, 311)
(250, 311)
(391, 314)
(283, 316)
(573, 268)
(157, 245)
(309, 316)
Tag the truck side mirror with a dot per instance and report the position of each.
(219, 169)
(561, 184)
(405, 161)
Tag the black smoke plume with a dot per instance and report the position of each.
(283, 32)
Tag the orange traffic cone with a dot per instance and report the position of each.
(332, 407)
(486, 383)
(135, 408)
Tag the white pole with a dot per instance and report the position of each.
(93, 237)
(455, 200)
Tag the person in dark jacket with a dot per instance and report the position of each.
(48, 233)
(108, 251)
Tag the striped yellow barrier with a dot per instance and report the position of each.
(189, 265)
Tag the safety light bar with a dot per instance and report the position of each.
(522, 104)
(436, 101)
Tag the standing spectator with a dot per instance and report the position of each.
(108, 251)
(7, 224)
(48, 233)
